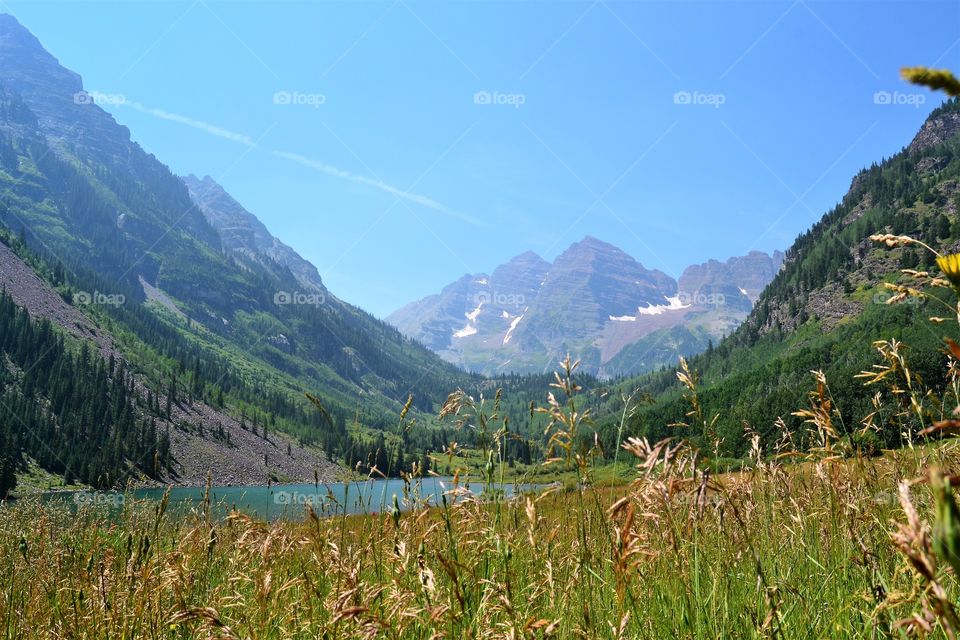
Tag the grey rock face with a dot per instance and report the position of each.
(936, 130)
(242, 232)
(594, 301)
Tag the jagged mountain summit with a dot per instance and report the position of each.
(594, 301)
(242, 232)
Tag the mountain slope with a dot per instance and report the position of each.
(595, 302)
(75, 183)
(170, 446)
(242, 232)
(828, 305)
(441, 320)
(200, 299)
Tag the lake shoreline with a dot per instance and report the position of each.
(282, 501)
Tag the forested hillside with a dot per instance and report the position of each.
(81, 192)
(828, 305)
(213, 334)
(69, 410)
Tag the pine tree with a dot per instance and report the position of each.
(943, 227)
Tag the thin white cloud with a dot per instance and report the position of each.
(206, 127)
(322, 167)
(376, 184)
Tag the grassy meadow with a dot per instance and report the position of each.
(818, 549)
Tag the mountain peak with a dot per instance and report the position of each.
(26, 64)
(56, 96)
(11, 28)
(942, 124)
(589, 249)
(242, 232)
(206, 179)
(526, 256)
(594, 254)
(594, 242)
(739, 279)
(526, 260)
(205, 186)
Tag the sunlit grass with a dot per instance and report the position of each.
(797, 552)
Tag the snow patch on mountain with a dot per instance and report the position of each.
(674, 303)
(468, 330)
(472, 316)
(471, 328)
(513, 325)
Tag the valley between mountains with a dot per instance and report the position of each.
(221, 328)
(155, 331)
(474, 339)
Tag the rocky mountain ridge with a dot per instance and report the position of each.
(594, 301)
(242, 232)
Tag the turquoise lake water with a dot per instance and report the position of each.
(289, 501)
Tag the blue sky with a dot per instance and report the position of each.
(398, 145)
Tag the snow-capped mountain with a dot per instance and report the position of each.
(594, 301)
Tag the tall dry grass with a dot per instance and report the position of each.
(832, 547)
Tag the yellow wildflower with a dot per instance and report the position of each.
(950, 265)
